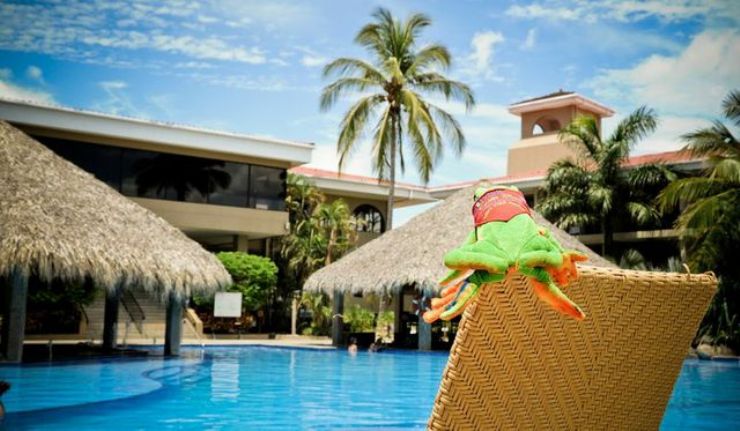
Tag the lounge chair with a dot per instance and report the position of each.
(517, 364)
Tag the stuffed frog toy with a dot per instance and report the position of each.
(506, 240)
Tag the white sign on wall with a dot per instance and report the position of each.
(228, 304)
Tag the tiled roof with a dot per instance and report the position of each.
(334, 175)
(546, 96)
(670, 157)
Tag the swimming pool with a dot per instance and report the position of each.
(277, 388)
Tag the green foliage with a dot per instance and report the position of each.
(58, 292)
(708, 224)
(359, 319)
(633, 259)
(320, 232)
(391, 88)
(386, 318)
(318, 305)
(594, 190)
(254, 276)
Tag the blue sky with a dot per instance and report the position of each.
(255, 66)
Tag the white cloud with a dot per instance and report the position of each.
(310, 60)
(690, 83)
(626, 10)
(35, 73)
(479, 64)
(81, 31)
(13, 91)
(538, 11)
(530, 40)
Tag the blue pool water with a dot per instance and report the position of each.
(272, 388)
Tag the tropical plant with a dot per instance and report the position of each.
(633, 259)
(594, 190)
(318, 305)
(391, 87)
(320, 232)
(359, 319)
(709, 222)
(254, 277)
(337, 229)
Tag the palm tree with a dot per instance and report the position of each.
(709, 222)
(711, 202)
(594, 190)
(339, 234)
(391, 88)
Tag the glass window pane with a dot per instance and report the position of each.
(267, 188)
(229, 184)
(100, 160)
(166, 176)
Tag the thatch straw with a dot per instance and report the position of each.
(412, 254)
(58, 221)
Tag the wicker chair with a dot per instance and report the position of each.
(516, 364)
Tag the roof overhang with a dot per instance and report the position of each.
(117, 127)
(581, 102)
(404, 196)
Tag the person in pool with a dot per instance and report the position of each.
(4, 386)
(352, 349)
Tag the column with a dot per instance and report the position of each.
(425, 329)
(337, 322)
(110, 319)
(14, 316)
(173, 328)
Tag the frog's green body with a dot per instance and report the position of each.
(497, 248)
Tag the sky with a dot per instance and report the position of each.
(255, 67)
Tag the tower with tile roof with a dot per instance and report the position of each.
(541, 120)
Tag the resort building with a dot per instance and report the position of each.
(224, 190)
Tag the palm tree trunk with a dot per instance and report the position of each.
(392, 191)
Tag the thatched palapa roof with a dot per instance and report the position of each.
(413, 253)
(58, 221)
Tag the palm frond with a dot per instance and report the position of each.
(714, 140)
(381, 142)
(704, 213)
(582, 134)
(642, 213)
(641, 122)
(650, 175)
(725, 169)
(731, 106)
(689, 190)
(341, 86)
(351, 66)
(434, 83)
(429, 56)
(353, 125)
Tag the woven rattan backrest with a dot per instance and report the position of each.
(517, 364)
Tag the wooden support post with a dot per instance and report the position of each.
(337, 321)
(173, 328)
(398, 334)
(15, 295)
(425, 329)
(110, 319)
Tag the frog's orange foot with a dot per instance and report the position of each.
(556, 299)
(568, 271)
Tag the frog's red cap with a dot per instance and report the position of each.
(499, 205)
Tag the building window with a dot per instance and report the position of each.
(156, 175)
(545, 125)
(232, 188)
(267, 188)
(368, 219)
